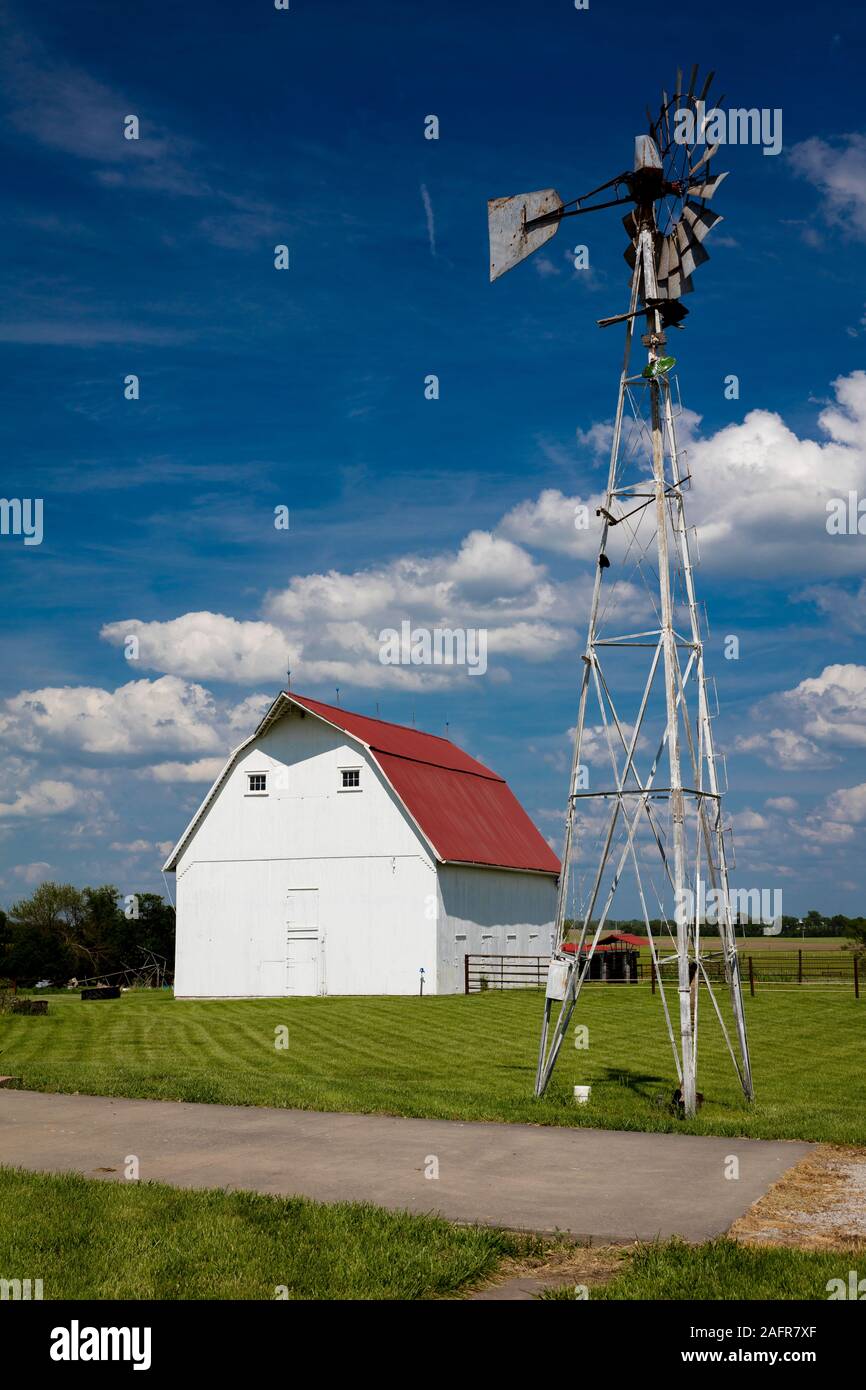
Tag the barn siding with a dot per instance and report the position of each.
(376, 897)
(489, 907)
(374, 933)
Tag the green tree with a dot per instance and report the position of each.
(98, 931)
(151, 930)
(42, 930)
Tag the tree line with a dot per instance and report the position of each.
(812, 923)
(62, 933)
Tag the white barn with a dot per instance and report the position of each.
(337, 854)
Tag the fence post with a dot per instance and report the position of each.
(856, 979)
(465, 974)
(653, 974)
(751, 976)
(800, 966)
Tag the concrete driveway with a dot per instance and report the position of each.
(603, 1185)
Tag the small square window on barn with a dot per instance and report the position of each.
(257, 783)
(350, 779)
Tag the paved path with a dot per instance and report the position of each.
(606, 1185)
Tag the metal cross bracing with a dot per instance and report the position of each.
(685, 746)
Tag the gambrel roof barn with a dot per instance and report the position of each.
(341, 854)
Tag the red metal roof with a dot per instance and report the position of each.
(609, 942)
(467, 812)
(571, 947)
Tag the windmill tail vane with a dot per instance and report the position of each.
(669, 187)
(656, 816)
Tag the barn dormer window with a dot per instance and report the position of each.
(350, 779)
(257, 783)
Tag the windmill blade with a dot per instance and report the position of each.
(699, 220)
(678, 90)
(510, 242)
(664, 113)
(676, 280)
(692, 253)
(630, 224)
(667, 272)
(704, 159)
(667, 257)
(692, 80)
(707, 189)
(707, 85)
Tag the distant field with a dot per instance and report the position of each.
(792, 943)
(457, 1057)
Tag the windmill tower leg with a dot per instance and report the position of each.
(672, 683)
(547, 1058)
(713, 836)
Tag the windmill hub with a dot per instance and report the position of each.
(669, 189)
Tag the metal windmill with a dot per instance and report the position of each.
(666, 830)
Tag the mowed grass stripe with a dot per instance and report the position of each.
(455, 1057)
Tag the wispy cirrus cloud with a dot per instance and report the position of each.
(62, 107)
(431, 221)
(85, 333)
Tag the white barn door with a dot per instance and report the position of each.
(303, 950)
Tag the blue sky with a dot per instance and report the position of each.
(305, 388)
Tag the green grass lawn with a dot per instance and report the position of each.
(89, 1239)
(720, 1269)
(457, 1057)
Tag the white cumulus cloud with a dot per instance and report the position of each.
(206, 646)
(167, 714)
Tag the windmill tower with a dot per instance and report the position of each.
(656, 818)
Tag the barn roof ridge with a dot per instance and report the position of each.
(473, 818)
(478, 769)
(370, 718)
